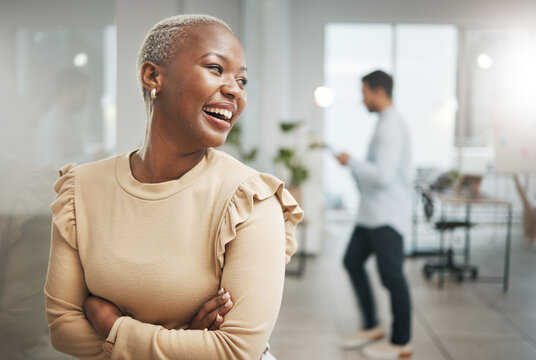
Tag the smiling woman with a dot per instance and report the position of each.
(162, 252)
(206, 70)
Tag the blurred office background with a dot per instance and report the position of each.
(464, 71)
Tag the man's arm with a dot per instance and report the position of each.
(388, 151)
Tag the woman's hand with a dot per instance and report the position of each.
(101, 314)
(210, 316)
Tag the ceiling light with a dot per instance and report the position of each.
(80, 59)
(484, 61)
(324, 96)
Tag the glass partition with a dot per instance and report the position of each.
(57, 105)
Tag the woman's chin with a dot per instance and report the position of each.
(216, 141)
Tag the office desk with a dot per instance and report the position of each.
(450, 198)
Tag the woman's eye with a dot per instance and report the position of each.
(243, 81)
(216, 68)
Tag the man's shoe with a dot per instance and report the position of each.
(385, 350)
(362, 337)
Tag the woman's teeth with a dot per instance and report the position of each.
(224, 113)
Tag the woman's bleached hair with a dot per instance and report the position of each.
(165, 38)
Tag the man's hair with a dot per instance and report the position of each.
(165, 38)
(379, 79)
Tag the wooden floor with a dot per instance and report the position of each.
(468, 321)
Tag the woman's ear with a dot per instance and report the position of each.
(150, 76)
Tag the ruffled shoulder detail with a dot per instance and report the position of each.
(258, 187)
(63, 206)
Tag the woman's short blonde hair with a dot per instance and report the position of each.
(164, 39)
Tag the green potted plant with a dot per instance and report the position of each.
(233, 140)
(291, 159)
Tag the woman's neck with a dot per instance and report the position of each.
(159, 161)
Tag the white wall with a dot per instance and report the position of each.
(267, 47)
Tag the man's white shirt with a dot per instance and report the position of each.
(385, 177)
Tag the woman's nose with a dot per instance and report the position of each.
(232, 89)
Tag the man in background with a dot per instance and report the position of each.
(384, 181)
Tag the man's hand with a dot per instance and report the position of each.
(343, 158)
(101, 314)
(210, 316)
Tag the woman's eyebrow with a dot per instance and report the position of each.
(224, 58)
(215, 54)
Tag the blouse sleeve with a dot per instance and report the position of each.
(65, 288)
(255, 241)
(254, 189)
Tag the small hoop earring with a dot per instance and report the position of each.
(153, 94)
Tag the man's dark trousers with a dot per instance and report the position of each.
(387, 244)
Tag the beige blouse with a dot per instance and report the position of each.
(160, 251)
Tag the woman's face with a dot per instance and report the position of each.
(202, 90)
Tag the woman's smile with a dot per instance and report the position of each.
(220, 114)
